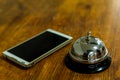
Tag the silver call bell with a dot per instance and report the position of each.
(88, 55)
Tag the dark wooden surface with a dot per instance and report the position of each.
(22, 19)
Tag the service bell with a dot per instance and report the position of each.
(88, 55)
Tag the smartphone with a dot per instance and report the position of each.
(36, 48)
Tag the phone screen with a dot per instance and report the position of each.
(37, 46)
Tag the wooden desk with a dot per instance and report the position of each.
(21, 19)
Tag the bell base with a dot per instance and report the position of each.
(87, 68)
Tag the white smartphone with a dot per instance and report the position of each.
(36, 48)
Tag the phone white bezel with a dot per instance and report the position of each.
(25, 63)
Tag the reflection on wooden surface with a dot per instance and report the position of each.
(21, 19)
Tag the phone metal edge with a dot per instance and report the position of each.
(59, 33)
(16, 59)
(25, 63)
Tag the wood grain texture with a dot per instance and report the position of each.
(21, 19)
